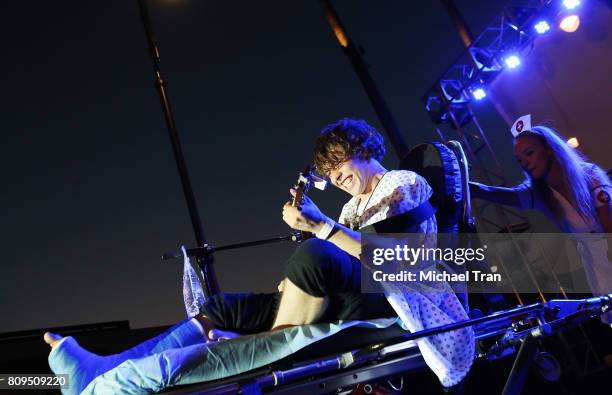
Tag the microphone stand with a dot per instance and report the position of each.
(295, 236)
(204, 260)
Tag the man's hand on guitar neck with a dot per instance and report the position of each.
(307, 217)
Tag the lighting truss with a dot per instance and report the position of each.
(448, 102)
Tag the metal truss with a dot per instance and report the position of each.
(448, 105)
(448, 102)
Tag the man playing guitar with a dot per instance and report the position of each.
(323, 277)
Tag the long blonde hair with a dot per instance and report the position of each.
(577, 174)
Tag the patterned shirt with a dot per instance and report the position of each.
(397, 192)
(450, 354)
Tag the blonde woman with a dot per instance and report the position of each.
(569, 190)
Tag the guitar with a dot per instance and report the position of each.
(304, 181)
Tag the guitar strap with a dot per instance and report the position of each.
(407, 222)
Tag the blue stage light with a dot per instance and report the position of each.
(571, 4)
(479, 93)
(542, 27)
(512, 61)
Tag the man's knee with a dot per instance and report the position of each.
(315, 249)
(313, 255)
(316, 265)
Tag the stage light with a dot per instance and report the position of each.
(512, 61)
(479, 93)
(570, 23)
(573, 142)
(340, 36)
(571, 4)
(542, 27)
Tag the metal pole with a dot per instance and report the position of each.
(462, 28)
(521, 366)
(361, 68)
(205, 262)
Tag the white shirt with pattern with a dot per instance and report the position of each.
(449, 355)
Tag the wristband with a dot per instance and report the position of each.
(326, 229)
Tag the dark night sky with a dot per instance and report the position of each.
(91, 194)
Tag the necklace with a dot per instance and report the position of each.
(355, 222)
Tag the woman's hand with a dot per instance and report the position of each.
(307, 217)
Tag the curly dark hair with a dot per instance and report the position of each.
(344, 140)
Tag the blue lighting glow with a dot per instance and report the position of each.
(512, 61)
(479, 94)
(571, 4)
(542, 27)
